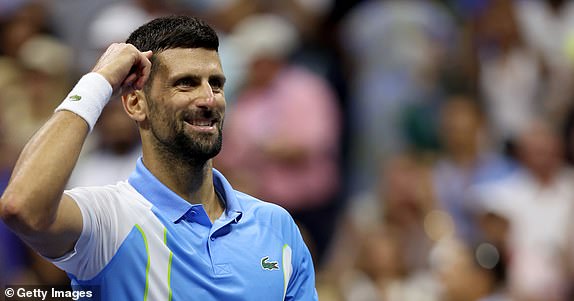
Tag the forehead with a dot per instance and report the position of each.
(197, 61)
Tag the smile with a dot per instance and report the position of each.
(202, 124)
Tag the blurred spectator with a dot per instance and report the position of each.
(27, 18)
(403, 214)
(537, 201)
(35, 82)
(382, 274)
(468, 159)
(34, 73)
(87, 26)
(408, 205)
(281, 142)
(116, 151)
(396, 50)
(113, 23)
(548, 29)
(509, 72)
(469, 275)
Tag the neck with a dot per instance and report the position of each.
(191, 181)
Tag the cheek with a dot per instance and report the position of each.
(162, 117)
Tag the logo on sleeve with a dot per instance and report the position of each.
(269, 265)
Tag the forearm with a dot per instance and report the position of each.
(31, 200)
(32, 205)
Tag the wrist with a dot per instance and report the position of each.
(104, 75)
(88, 98)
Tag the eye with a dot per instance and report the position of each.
(217, 83)
(187, 82)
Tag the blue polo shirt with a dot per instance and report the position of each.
(141, 241)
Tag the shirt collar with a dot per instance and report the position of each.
(172, 205)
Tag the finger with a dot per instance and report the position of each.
(144, 69)
(130, 80)
(148, 54)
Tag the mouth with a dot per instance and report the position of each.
(204, 124)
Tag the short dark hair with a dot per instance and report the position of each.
(174, 32)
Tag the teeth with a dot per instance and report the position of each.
(201, 123)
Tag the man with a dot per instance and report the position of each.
(532, 209)
(175, 230)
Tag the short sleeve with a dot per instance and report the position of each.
(302, 281)
(100, 234)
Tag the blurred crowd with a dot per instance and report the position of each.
(425, 148)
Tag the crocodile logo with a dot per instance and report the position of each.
(269, 265)
(75, 97)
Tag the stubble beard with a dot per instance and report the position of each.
(178, 147)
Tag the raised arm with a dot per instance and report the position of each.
(33, 204)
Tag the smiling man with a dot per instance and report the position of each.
(176, 229)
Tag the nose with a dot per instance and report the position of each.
(206, 97)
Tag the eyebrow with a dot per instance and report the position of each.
(219, 78)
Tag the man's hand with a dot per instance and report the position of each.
(124, 67)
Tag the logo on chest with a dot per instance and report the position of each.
(269, 265)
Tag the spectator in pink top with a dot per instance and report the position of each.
(282, 140)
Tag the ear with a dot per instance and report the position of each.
(135, 105)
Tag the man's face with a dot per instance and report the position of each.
(186, 103)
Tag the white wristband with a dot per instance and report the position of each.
(88, 98)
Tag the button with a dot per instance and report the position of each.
(212, 238)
